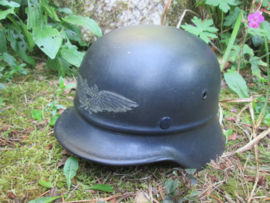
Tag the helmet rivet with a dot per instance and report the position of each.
(204, 95)
(165, 123)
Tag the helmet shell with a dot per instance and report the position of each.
(152, 84)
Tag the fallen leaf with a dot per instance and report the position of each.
(40, 66)
(232, 136)
(11, 195)
(261, 181)
(113, 200)
(62, 162)
(49, 147)
(66, 152)
(4, 128)
(140, 198)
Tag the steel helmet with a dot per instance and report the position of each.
(145, 94)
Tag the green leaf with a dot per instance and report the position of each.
(49, 10)
(73, 32)
(84, 21)
(61, 82)
(70, 169)
(35, 17)
(1, 100)
(44, 199)
(3, 44)
(257, 40)
(3, 14)
(37, 114)
(191, 170)
(48, 40)
(65, 10)
(105, 188)
(231, 18)
(171, 186)
(255, 62)
(266, 26)
(8, 59)
(234, 54)
(53, 119)
(2, 86)
(59, 64)
(232, 39)
(29, 36)
(266, 119)
(203, 30)
(9, 3)
(45, 183)
(18, 44)
(71, 55)
(224, 5)
(227, 134)
(237, 83)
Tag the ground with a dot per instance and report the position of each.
(29, 152)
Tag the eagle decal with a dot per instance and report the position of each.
(95, 101)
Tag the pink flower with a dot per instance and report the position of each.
(255, 19)
(234, 110)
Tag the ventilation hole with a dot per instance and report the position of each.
(42, 47)
(204, 95)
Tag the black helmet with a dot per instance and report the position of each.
(145, 94)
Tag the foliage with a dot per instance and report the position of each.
(105, 188)
(44, 199)
(239, 53)
(43, 28)
(45, 183)
(201, 29)
(70, 169)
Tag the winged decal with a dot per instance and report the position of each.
(95, 101)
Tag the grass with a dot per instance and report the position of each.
(30, 152)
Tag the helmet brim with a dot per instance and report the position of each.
(190, 149)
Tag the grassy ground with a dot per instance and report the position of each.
(30, 153)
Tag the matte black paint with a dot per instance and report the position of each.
(173, 76)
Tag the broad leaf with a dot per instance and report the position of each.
(3, 14)
(45, 183)
(266, 27)
(8, 59)
(255, 62)
(44, 199)
(53, 119)
(73, 32)
(49, 10)
(231, 18)
(18, 44)
(71, 55)
(59, 64)
(236, 49)
(48, 40)
(65, 10)
(191, 171)
(3, 44)
(224, 5)
(37, 114)
(84, 21)
(29, 36)
(266, 119)
(105, 188)
(201, 29)
(2, 86)
(257, 40)
(35, 17)
(9, 3)
(237, 83)
(70, 169)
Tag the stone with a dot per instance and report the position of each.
(112, 14)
